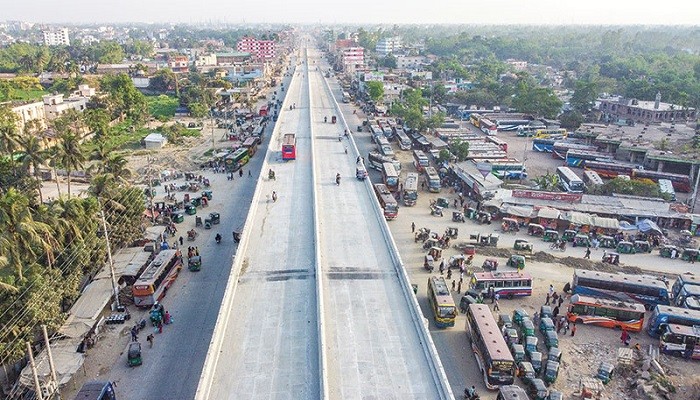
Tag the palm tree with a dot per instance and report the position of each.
(70, 155)
(9, 133)
(22, 239)
(34, 157)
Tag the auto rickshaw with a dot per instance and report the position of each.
(511, 336)
(535, 230)
(194, 187)
(686, 236)
(471, 213)
(536, 361)
(208, 194)
(519, 315)
(554, 354)
(271, 175)
(551, 339)
(516, 261)
(546, 312)
(190, 209)
(555, 395)
(194, 263)
(690, 255)
(518, 352)
(551, 371)
(490, 240)
(527, 328)
(333, 119)
(550, 235)
(442, 202)
(530, 344)
(569, 235)
(214, 218)
(435, 252)
(668, 250)
(581, 240)
(607, 242)
(198, 221)
(606, 371)
(428, 263)
(546, 325)
(452, 232)
(611, 258)
(505, 321)
(134, 354)
(526, 371)
(196, 201)
(490, 264)
(436, 211)
(522, 246)
(625, 247)
(510, 225)
(457, 216)
(191, 235)
(469, 250)
(430, 242)
(536, 389)
(178, 218)
(360, 172)
(642, 246)
(483, 217)
(456, 261)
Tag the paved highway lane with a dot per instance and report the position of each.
(373, 348)
(269, 346)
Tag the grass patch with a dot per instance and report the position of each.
(162, 107)
(24, 95)
(123, 136)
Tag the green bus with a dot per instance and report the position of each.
(237, 159)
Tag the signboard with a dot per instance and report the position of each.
(556, 196)
(484, 168)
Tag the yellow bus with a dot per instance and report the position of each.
(441, 302)
(157, 278)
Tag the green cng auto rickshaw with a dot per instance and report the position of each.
(536, 361)
(531, 344)
(535, 230)
(536, 389)
(554, 354)
(642, 246)
(194, 263)
(546, 325)
(519, 316)
(207, 194)
(690, 255)
(527, 328)
(550, 235)
(522, 246)
(442, 202)
(190, 209)
(607, 242)
(581, 240)
(546, 312)
(518, 352)
(526, 371)
(668, 250)
(605, 372)
(625, 247)
(516, 261)
(178, 218)
(134, 354)
(551, 371)
(551, 339)
(569, 235)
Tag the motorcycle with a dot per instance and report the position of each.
(325, 119)
(471, 394)
(337, 179)
(218, 238)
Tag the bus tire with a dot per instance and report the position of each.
(510, 296)
(579, 321)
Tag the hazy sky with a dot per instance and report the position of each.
(359, 11)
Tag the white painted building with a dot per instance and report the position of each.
(155, 141)
(56, 37)
(29, 112)
(55, 105)
(388, 45)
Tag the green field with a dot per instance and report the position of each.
(24, 95)
(162, 106)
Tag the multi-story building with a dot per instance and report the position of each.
(232, 58)
(410, 62)
(353, 59)
(260, 49)
(55, 105)
(179, 63)
(29, 111)
(386, 46)
(56, 37)
(617, 108)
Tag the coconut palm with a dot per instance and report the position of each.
(34, 158)
(9, 133)
(70, 155)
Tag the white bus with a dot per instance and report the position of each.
(666, 187)
(569, 181)
(433, 179)
(591, 178)
(410, 189)
(403, 139)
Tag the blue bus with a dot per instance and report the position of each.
(664, 315)
(623, 287)
(688, 297)
(578, 158)
(543, 145)
(683, 280)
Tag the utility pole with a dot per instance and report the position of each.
(111, 262)
(695, 190)
(54, 381)
(37, 385)
(211, 114)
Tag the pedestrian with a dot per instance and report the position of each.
(558, 326)
(274, 196)
(442, 267)
(149, 338)
(449, 273)
(196, 250)
(249, 174)
(181, 241)
(551, 289)
(422, 185)
(555, 297)
(573, 330)
(561, 300)
(160, 327)
(588, 253)
(240, 173)
(413, 227)
(555, 312)
(625, 337)
(459, 287)
(166, 318)
(495, 306)
(536, 318)
(496, 297)
(547, 301)
(566, 327)
(134, 334)
(453, 285)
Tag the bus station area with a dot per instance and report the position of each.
(628, 329)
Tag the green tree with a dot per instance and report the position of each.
(547, 182)
(460, 148)
(124, 98)
(585, 94)
(34, 157)
(389, 61)
(375, 90)
(69, 154)
(571, 120)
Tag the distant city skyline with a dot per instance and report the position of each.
(492, 12)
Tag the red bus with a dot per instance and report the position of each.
(502, 144)
(607, 313)
(289, 146)
(387, 201)
(263, 111)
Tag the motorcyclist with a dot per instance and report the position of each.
(218, 238)
(325, 119)
(337, 179)
(346, 150)
(470, 393)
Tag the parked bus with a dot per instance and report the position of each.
(441, 302)
(608, 170)
(474, 119)
(376, 160)
(420, 160)
(488, 127)
(390, 177)
(578, 158)
(264, 110)
(688, 297)
(510, 125)
(681, 341)
(684, 280)
(666, 187)
(508, 168)
(289, 146)
(560, 148)
(433, 180)
(543, 145)
(237, 159)
(384, 147)
(490, 349)
(157, 278)
(607, 313)
(623, 287)
(386, 201)
(502, 144)
(529, 130)
(410, 189)
(551, 134)
(664, 315)
(506, 283)
(569, 181)
(680, 182)
(252, 145)
(96, 390)
(403, 139)
(591, 179)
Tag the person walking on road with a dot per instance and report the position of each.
(181, 241)
(573, 329)
(240, 173)
(413, 227)
(249, 174)
(274, 196)
(495, 306)
(149, 339)
(588, 253)
(546, 303)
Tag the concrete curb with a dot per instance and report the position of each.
(419, 322)
(212, 358)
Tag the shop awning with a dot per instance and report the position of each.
(548, 212)
(516, 211)
(606, 223)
